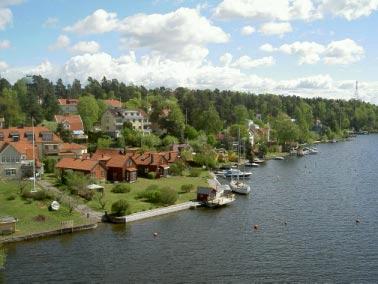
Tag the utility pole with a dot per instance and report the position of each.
(33, 189)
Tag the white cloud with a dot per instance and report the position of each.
(62, 41)
(309, 52)
(85, 47)
(3, 65)
(273, 28)
(154, 71)
(5, 44)
(289, 10)
(99, 22)
(336, 52)
(51, 22)
(343, 52)
(182, 34)
(349, 9)
(247, 30)
(6, 17)
(246, 62)
(226, 59)
(267, 47)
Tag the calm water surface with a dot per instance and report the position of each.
(318, 196)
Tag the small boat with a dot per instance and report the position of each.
(237, 173)
(258, 161)
(239, 187)
(279, 158)
(255, 165)
(55, 205)
(313, 151)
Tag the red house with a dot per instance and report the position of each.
(152, 162)
(87, 166)
(121, 168)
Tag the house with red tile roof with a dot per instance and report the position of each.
(120, 166)
(16, 160)
(68, 105)
(112, 103)
(152, 162)
(73, 123)
(93, 168)
(72, 150)
(46, 140)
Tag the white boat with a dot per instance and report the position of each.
(248, 164)
(258, 161)
(55, 205)
(237, 174)
(279, 158)
(240, 187)
(313, 151)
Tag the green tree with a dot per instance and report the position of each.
(104, 142)
(209, 121)
(286, 130)
(120, 207)
(241, 114)
(88, 110)
(10, 108)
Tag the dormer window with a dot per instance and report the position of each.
(47, 136)
(15, 136)
(29, 135)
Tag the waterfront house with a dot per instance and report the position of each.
(152, 162)
(46, 141)
(68, 105)
(205, 194)
(73, 123)
(16, 160)
(113, 120)
(121, 168)
(94, 168)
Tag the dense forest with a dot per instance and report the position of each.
(190, 111)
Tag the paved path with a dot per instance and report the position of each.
(66, 199)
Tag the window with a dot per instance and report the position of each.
(55, 147)
(10, 172)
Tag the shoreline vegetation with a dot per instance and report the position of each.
(213, 126)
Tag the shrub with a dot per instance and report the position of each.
(177, 168)
(49, 165)
(195, 172)
(39, 195)
(120, 207)
(167, 196)
(11, 197)
(121, 188)
(152, 196)
(151, 175)
(187, 187)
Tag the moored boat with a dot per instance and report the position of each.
(237, 174)
(240, 187)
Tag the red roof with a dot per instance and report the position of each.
(25, 133)
(73, 120)
(113, 103)
(67, 147)
(77, 164)
(64, 102)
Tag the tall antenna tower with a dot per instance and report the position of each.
(356, 95)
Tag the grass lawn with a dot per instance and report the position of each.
(25, 212)
(137, 205)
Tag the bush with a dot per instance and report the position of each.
(121, 188)
(39, 195)
(154, 194)
(187, 187)
(49, 165)
(120, 207)
(11, 197)
(177, 168)
(151, 175)
(195, 172)
(168, 196)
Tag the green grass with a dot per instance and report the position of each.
(137, 205)
(25, 212)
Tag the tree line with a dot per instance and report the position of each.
(184, 113)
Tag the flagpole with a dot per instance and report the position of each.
(33, 189)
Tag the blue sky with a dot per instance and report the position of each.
(303, 47)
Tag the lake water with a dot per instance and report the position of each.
(319, 197)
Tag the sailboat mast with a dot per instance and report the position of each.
(33, 190)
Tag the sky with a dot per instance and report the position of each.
(308, 48)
